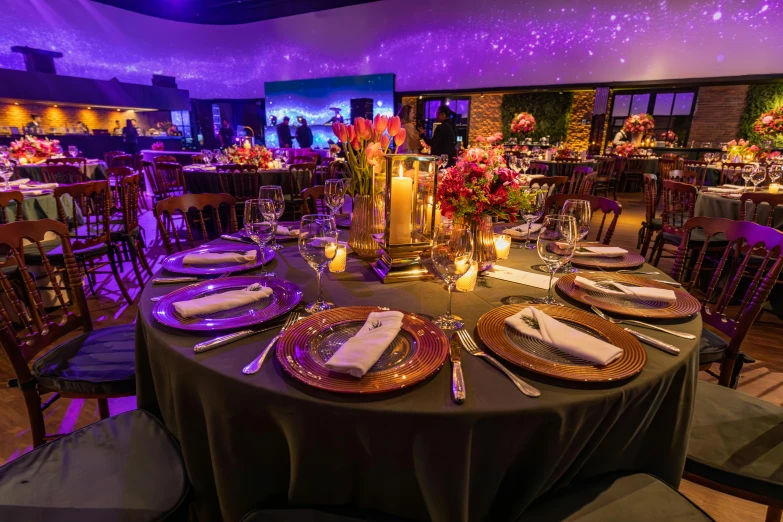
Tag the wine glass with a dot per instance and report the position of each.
(556, 243)
(452, 252)
(515, 164)
(333, 194)
(275, 193)
(747, 172)
(318, 245)
(73, 151)
(216, 153)
(6, 170)
(258, 226)
(536, 210)
(582, 214)
(757, 177)
(724, 158)
(774, 173)
(524, 164)
(207, 155)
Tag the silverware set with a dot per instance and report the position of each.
(256, 363)
(666, 347)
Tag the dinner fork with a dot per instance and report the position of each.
(185, 280)
(644, 325)
(256, 363)
(474, 350)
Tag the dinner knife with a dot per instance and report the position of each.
(457, 379)
(174, 280)
(665, 347)
(237, 239)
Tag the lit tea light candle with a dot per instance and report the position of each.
(502, 245)
(773, 188)
(467, 282)
(401, 209)
(337, 264)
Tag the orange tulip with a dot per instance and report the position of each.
(394, 126)
(339, 130)
(385, 139)
(380, 123)
(350, 133)
(374, 154)
(363, 128)
(399, 139)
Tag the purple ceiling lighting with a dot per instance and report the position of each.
(467, 46)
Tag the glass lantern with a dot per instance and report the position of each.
(411, 215)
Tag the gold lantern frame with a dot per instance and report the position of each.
(401, 259)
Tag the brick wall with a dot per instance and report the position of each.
(578, 133)
(59, 117)
(484, 116)
(718, 113)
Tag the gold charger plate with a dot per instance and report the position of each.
(628, 260)
(418, 351)
(685, 306)
(539, 357)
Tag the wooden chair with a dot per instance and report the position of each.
(586, 186)
(115, 176)
(605, 205)
(164, 159)
(241, 183)
(734, 437)
(193, 206)
(670, 156)
(554, 184)
(167, 179)
(110, 154)
(80, 163)
(337, 170)
(757, 199)
(633, 172)
(91, 240)
(29, 323)
(606, 175)
(307, 159)
(679, 203)
(127, 230)
(576, 179)
(537, 169)
(63, 174)
(300, 177)
(120, 160)
(235, 167)
(6, 198)
(686, 176)
(313, 199)
(198, 159)
(651, 223)
(666, 165)
(699, 167)
(732, 173)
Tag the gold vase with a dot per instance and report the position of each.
(484, 252)
(366, 220)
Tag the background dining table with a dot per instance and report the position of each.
(96, 169)
(712, 204)
(269, 440)
(204, 179)
(42, 206)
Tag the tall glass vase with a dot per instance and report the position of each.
(366, 221)
(484, 252)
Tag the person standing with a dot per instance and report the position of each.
(130, 137)
(444, 139)
(304, 135)
(284, 139)
(226, 135)
(33, 127)
(117, 130)
(412, 137)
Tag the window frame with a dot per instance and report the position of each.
(614, 127)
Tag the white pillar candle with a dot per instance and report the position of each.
(401, 209)
(340, 257)
(502, 245)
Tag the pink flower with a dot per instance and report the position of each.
(399, 139)
(394, 126)
(374, 154)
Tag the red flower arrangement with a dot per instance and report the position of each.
(258, 156)
(158, 145)
(34, 149)
(625, 149)
(523, 123)
(566, 153)
(769, 123)
(639, 123)
(670, 137)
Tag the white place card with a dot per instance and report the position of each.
(519, 276)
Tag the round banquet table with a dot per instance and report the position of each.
(95, 170)
(43, 206)
(562, 168)
(204, 179)
(269, 440)
(716, 205)
(182, 157)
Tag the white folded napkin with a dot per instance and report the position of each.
(521, 230)
(39, 186)
(286, 231)
(722, 190)
(33, 192)
(595, 251)
(642, 293)
(361, 351)
(564, 338)
(219, 302)
(18, 182)
(216, 258)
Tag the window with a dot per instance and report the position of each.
(672, 110)
(182, 120)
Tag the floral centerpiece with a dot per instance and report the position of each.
(625, 149)
(566, 153)
(258, 155)
(34, 150)
(523, 123)
(479, 187)
(637, 125)
(366, 143)
(670, 137)
(770, 123)
(741, 151)
(158, 145)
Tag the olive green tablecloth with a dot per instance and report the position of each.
(268, 440)
(36, 172)
(200, 181)
(39, 207)
(715, 205)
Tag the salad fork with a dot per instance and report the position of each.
(473, 349)
(256, 363)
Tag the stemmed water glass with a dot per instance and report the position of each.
(524, 164)
(536, 210)
(258, 226)
(757, 177)
(274, 193)
(73, 150)
(747, 172)
(6, 170)
(556, 243)
(724, 158)
(216, 155)
(318, 246)
(333, 194)
(207, 155)
(774, 173)
(452, 252)
(580, 210)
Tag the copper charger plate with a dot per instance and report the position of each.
(418, 351)
(685, 306)
(627, 260)
(539, 357)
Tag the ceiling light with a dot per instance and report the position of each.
(118, 110)
(88, 108)
(55, 106)
(16, 103)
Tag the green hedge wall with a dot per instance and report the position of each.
(761, 98)
(550, 109)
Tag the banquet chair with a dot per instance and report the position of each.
(615, 497)
(699, 167)
(126, 230)
(553, 184)
(115, 176)
(606, 175)
(670, 156)
(239, 181)
(97, 364)
(666, 165)
(651, 223)
(300, 177)
(120, 160)
(690, 177)
(757, 199)
(311, 158)
(110, 154)
(192, 208)
(554, 204)
(337, 170)
(576, 179)
(537, 169)
(198, 159)
(167, 179)
(732, 173)
(127, 467)
(313, 199)
(164, 159)
(735, 438)
(80, 163)
(92, 239)
(6, 198)
(63, 174)
(236, 167)
(633, 172)
(679, 203)
(586, 186)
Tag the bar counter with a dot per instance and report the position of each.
(95, 146)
